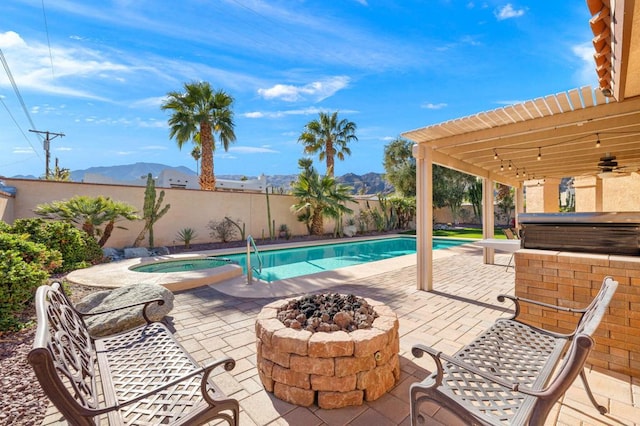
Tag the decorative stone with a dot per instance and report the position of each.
(336, 384)
(304, 364)
(133, 252)
(124, 319)
(293, 341)
(367, 342)
(294, 395)
(351, 365)
(336, 344)
(322, 366)
(350, 230)
(330, 400)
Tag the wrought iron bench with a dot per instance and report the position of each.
(513, 373)
(146, 376)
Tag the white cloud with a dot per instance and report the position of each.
(508, 12)
(31, 67)
(154, 148)
(22, 150)
(125, 152)
(285, 113)
(429, 105)
(510, 102)
(153, 102)
(362, 2)
(252, 150)
(585, 74)
(63, 148)
(317, 90)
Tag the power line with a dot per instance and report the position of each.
(19, 128)
(46, 28)
(15, 88)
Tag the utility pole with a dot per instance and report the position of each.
(46, 144)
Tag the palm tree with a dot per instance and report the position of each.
(196, 153)
(329, 137)
(319, 196)
(198, 114)
(90, 214)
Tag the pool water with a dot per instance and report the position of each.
(295, 262)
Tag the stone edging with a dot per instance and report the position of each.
(331, 369)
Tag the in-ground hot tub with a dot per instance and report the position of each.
(332, 369)
(601, 232)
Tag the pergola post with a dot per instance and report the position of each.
(519, 204)
(487, 218)
(424, 216)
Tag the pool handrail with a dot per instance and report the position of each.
(252, 243)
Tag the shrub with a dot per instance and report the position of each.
(24, 265)
(224, 230)
(77, 248)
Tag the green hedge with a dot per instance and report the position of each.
(24, 265)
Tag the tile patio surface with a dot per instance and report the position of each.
(212, 324)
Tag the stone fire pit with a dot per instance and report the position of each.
(330, 368)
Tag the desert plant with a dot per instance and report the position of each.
(90, 213)
(186, 235)
(77, 248)
(223, 230)
(151, 211)
(272, 231)
(241, 229)
(284, 232)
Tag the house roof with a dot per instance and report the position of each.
(556, 135)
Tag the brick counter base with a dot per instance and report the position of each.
(573, 279)
(335, 369)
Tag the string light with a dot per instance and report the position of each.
(501, 166)
(597, 140)
(509, 164)
(539, 154)
(524, 172)
(517, 173)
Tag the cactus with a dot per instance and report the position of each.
(272, 227)
(151, 211)
(241, 229)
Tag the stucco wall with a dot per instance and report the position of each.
(6, 206)
(189, 208)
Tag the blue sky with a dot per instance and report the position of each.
(98, 71)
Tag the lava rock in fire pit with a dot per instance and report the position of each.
(328, 312)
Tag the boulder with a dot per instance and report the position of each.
(124, 319)
(131, 252)
(350, 230)
(111, 253)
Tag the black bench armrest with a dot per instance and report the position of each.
(146, 304)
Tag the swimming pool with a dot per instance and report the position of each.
(294, 262)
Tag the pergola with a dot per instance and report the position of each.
(568, 134)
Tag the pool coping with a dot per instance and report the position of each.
(230, 280)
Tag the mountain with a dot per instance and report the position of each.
(128, 172)
(370, 183)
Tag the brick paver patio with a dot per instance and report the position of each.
(211, 324)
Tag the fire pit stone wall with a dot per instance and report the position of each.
(333, 369)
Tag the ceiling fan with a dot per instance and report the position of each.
(608, 163)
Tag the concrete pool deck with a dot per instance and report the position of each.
(211, 324)
(230, 280)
